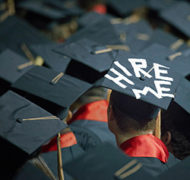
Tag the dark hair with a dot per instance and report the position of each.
(180, 142)
(180, 145)
(126, 123)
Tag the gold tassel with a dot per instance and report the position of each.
(22, 66)
(103, 51)
(27, 52)
(177, 44)
(119, 47)
(57, 78)
(41, 118)
(157, 132)
(59, 158)
(143, 37)
(173, 56)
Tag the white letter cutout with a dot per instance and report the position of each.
(138, 66)
(117, 80)
(160, 90)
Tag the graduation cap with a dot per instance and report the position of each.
(16, 34)
(180, 170)
(51, 59)
(135, 35)
(88, 53)
(68, 6)
(52, 90)
(105, 162)
(141, 78)
(12, 67)
(164, 38)
(182, 96)
(186, 52)
(30, 172)
(105, 35)
(124, 8)
(179, 16)
(89, 60)
(25, 127)
(175, 60)
(178, 113)
(42, 8)
(90, 18)
(160, 5)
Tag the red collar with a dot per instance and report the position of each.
(95, 111)
(146, 146)
(100, 8)
(67, 140)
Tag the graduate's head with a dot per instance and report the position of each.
(175, 130)
(127, 114)
(176, 122)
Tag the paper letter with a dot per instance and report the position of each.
(159, 71)
(117, 80)
(138, 66)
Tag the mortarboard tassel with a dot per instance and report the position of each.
(41, 164)
(157, 132)
(59, 158)
(173, 56)
(177, 44)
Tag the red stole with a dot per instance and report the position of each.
(146, 146)
(67, 140)
(99, 8)
(94, 111)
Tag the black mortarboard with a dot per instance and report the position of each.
(84, 51)
(175, 60)
(182, 96)
(125, 7)
(25, 127)
(41, 8)
(179, 16)
(179, 171)
(90, 18)
(142, 78)
(161, 4)
(106, 35)
(186, 52)
(51, 59)
(12, 67)
(52, 90)
(87, 61)
(178, 113)
(30, 172)
(135, 35)
(164, 38)
(25, 124)
(105, 162)
(70, 7)
(16, 32)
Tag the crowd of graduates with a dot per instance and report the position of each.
(94, 89)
